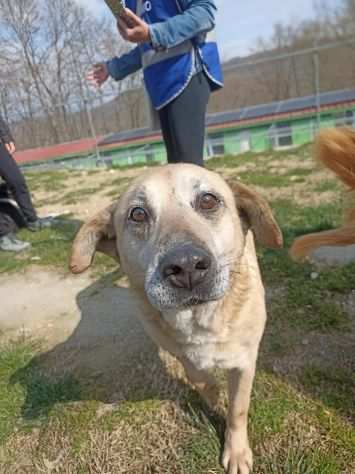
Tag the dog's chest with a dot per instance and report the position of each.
(204, 341)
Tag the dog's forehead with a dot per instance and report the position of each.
(182, 182)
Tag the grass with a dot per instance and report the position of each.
(326, 185)
(262, 159)
(146, 419)
(291, 431)
(76, 196)
(50, 248)
(47, 181)
(264, 180)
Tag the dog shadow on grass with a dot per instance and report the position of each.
(108, 358)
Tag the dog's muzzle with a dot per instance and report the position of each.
(185, 267)
(186, 275)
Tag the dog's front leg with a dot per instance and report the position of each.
(237, 456)
(203, 381)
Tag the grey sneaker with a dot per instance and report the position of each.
(9, 243)
(40, 224)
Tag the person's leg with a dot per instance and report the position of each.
(15, 180)
(184, 118)
(9, 224)
(166, 132)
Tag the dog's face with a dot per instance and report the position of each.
(178, 235)
(179, 232)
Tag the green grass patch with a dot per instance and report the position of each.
(307, 303)
(335, 387)
(299, 172)
(12, 396)
(301, 154)
(73, 197)
(47, 181)
(290, 433)
(50, 248)
(27, 395)
(119, 185)
(326, 186)
(265, 180)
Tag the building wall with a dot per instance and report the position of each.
(259, 138)
(303, 131)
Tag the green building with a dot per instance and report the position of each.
(277, 125)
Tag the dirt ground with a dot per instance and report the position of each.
(88, 327)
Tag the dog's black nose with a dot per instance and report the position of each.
(186, 267)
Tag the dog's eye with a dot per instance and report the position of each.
(138, 214)
(208, 202)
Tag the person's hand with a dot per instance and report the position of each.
(132, 28)
(10, 147)
(98, 74)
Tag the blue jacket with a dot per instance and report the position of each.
(195, 20)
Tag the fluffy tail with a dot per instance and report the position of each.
(303, 246)
(335, 148)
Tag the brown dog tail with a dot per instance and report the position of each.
(304, 245)
(335, 148)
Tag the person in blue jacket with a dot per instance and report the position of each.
(178, 53)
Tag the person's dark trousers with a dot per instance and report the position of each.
(10, 219)
(13, 177)
(7, 225)
(183, 122)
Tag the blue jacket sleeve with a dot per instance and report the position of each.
(197, 16)
(123, 66)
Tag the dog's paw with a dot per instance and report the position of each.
(237, 457)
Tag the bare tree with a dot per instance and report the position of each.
(46, 48)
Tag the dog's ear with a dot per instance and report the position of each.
(257, 215)
(98, 234)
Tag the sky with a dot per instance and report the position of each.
(240, 23)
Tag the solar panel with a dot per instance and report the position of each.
(223, 117)
(260, 110)
(337, 96)
(298, 104)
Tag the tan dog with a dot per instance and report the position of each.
(185, 240)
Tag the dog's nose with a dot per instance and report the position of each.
(186, 267)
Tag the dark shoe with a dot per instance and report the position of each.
(9, 243)
(40, 224)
